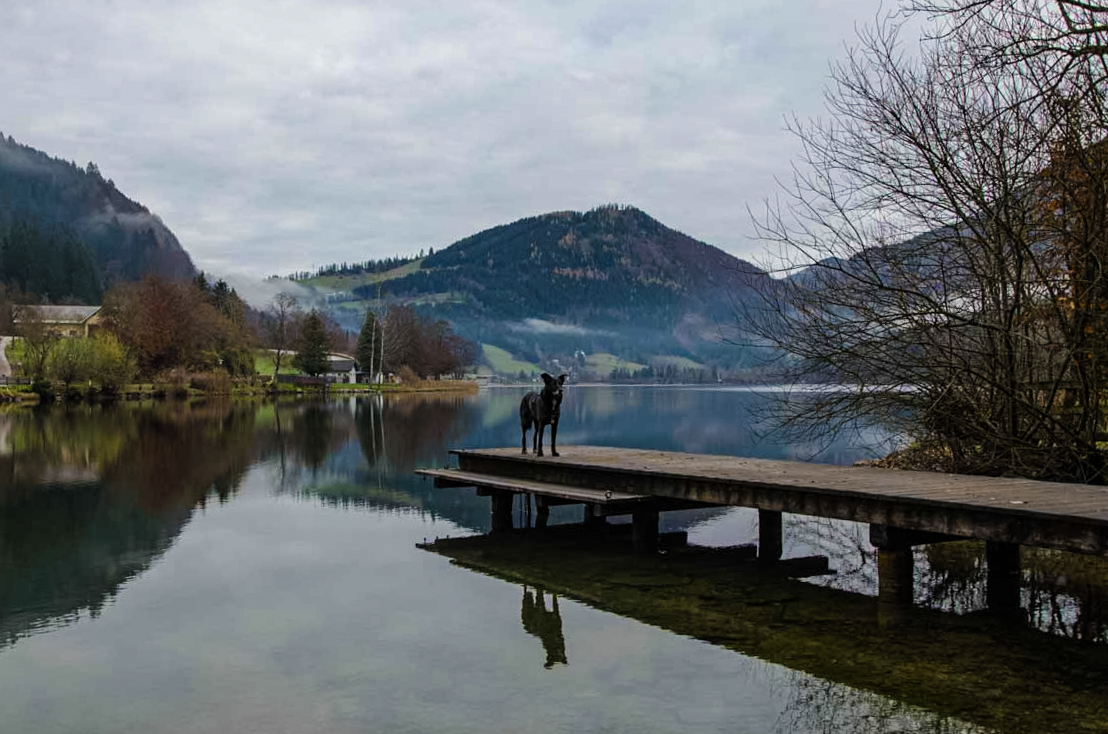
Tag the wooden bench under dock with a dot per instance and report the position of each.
(903, 508)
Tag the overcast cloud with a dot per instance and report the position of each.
(277, 135)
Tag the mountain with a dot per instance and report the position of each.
(45, 199)
(612, 279)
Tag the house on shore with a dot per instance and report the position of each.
(64, 321)
(341, 368)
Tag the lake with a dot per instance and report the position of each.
(264, 567)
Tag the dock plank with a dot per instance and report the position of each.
(1008, 494)
(577, 494)
(1007, 509)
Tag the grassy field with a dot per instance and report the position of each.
(504, 363)
(330, 283)
(603, 363)
(263, 363)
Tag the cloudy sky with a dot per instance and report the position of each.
(279, 135)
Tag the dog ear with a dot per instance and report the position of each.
(547, 378)
(562, 378)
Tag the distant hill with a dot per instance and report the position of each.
(45, 199)
(612, 279)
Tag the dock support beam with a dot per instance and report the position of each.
(895, 576)
(770, 546)
(502, 501)
(542, 511)
(644, 530)
(1002, 590)
(895, 569)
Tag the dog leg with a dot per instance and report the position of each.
(538, 439)
(524, 423)
(554, 438)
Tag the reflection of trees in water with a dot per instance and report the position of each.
(313, 431)
(180, 455)
(62, 444)
(404, 432)
(818, 706)
(546, 624)
(846, 545)
(951, 577)
(68, 546)
(302, 434)
(167, 455)
(65, 549)
(1065, 594)
(394, 434)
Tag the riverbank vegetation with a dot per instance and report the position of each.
(159, 338)
(948, 229)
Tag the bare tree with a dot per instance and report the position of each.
(947, 230)
(401, 339)
(1068, 32)
(282, 327)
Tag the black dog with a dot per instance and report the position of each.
(539, 409)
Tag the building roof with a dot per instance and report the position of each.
(56, 314)
(339, 362)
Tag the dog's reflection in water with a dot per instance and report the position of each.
(546, 624)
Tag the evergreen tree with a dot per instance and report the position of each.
(51, 262)
(312, 347)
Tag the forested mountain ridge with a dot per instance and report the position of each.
(46, 199)
(611, 279)
(611, 265)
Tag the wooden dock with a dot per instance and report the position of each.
(903, 508)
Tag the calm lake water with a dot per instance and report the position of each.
(250, 567)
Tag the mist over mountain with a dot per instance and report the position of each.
(47, 204)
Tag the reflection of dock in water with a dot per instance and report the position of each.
(904, 509)
(978, 668)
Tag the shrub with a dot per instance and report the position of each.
(70, 361)
(112, 363)
(173, 383)
(212, 383)
(408, 376)
(44, 390)
(239, 362)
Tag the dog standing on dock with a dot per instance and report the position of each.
(540, 409)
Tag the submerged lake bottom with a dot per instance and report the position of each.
(278, 567)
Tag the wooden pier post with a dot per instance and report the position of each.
(895, 571)
(770, 545)
(644, 530)
(1002, 585)
(896, 575)
(542, 511)
(501, 509)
